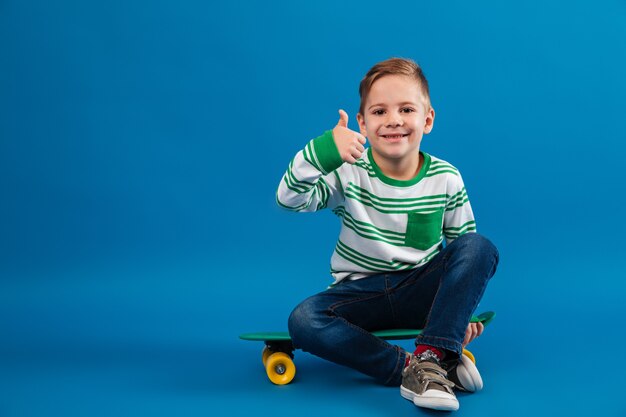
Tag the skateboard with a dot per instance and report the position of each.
(277, 355)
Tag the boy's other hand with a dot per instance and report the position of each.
(473, 331)
(349, 143)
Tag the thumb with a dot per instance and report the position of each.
(343, 118)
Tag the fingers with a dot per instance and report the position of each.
(480, 327)
(356, 151)
(473, 331)
(468, 336)
(349, 143)
(350, 159)
(352, 155)
(343, 118)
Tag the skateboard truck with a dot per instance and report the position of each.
(280, 346)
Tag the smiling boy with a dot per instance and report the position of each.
(390, 265)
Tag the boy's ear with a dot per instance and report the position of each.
(430, 121)
(361, 120)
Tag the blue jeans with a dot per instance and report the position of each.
(439, 297)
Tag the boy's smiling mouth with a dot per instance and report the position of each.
(394, 137)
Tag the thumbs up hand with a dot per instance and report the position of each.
(348, 142)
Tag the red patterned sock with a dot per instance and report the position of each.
(423, 348)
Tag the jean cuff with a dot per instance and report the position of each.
(395, 380)
(441, 343)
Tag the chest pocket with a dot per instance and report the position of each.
(423, 230)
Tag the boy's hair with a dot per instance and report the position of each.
(393, 66)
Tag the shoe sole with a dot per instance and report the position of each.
(424, 401)
(468, 375)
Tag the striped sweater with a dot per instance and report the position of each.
(386, 224)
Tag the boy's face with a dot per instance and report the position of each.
(394, 119)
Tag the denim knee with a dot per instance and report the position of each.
(477, 246)
(301, 322)
(477, 252)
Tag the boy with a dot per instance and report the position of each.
(391, 269)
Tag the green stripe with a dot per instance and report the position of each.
(440, 167)
(428, 258)
(410, 209)
(414, 205)
(299, 187)
(324, 194)
(362, 257)
(368, 227)
(386, 265)
(456, 235)
(461, 200)
(295, 181)
(314, 158)
(471, 228)
(295, 190)
(339, 181)
(356, 261)
(356, 188)
(468, 227)
(443, 171)
(440, 164)
(463, 226)
(367, 167)
(459, 204)
(298, 208)
(349, 259)
(305, 154)
(326, 153)
(339, 209)
(369, 231)
(460, 196)
(365, 225)
(308, 157)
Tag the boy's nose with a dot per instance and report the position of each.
(393, 120)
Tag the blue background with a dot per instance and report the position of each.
(141, 144)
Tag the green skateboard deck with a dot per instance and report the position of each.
(277, 354)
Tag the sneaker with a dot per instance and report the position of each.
(465, 375)
(426, 384)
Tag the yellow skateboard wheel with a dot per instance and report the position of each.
(470, 355)
(266, 354)
(280, 368)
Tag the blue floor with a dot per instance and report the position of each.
(145, 341)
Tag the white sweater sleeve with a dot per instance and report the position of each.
(458, 217)
(310, 182)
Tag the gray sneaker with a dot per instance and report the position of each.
(426, 384)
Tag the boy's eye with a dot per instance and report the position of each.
(407, 110)
(378, 112)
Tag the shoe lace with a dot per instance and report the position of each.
(428, 372)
